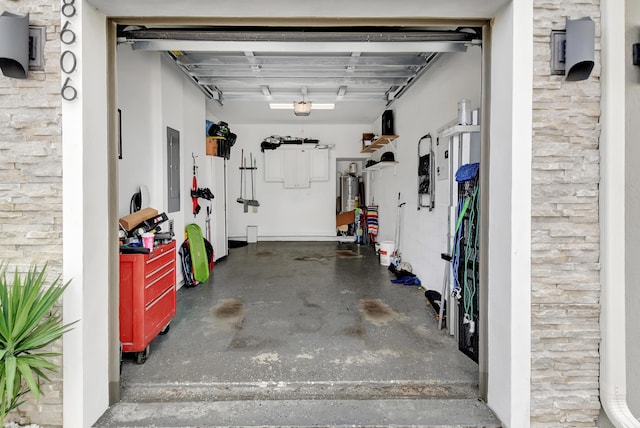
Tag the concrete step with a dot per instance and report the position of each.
(315, 390)
(423, 413)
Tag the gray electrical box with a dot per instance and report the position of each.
(442, 158)
(173, 170)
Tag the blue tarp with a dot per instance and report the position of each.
(407, 280)
(467, 172)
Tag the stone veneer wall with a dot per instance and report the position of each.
(565, 231)
(31, 176)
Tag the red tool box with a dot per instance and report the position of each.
(147, 297)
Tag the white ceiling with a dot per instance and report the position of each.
(240, 76)
(243, 70)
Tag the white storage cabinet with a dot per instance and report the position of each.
(296, 167)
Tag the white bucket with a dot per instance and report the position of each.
(252, 234)
(386, 250)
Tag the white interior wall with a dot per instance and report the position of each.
(153, 95)
(427, 106)
(288, 214)
(135, 100)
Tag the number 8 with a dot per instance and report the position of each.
(68, 8)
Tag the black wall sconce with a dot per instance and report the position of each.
(573, 49)
(14, 45)
(636, 54)
(21, 45)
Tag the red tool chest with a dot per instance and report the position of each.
(147, 297)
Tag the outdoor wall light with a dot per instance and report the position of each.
(573, 49)
(14, 45)
(636, 53)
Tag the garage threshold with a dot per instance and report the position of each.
(301, 322)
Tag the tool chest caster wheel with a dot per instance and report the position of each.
(142, 356)
(165, 330)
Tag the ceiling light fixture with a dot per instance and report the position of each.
(290, 106)
(302, 108)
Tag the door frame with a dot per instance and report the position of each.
(506, 388)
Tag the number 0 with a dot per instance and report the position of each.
(68, 68)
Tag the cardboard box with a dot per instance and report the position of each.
(212, 146)
(345, 218)
(132, 220)
(367, 140)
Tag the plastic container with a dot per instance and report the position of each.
(386, 250)
(147, 240)
(464, 112)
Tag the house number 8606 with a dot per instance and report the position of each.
(68, 60)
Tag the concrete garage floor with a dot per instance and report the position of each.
(294, 327)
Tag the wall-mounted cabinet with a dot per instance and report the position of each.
(273, 165)
(455, 146)
(296, 167)
(319, 165)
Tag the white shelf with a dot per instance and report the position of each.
(379, 166)
(458, 129)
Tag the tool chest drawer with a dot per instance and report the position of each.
(147, 296)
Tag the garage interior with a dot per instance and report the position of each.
(304, 311)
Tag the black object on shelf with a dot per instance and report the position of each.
(387, 123)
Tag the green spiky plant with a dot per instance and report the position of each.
(29, 322)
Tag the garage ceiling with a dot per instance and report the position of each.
(243, 70)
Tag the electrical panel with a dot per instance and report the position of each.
(442, 158)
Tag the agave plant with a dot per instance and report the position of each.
(29, 322)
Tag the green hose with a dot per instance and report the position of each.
(462, 213)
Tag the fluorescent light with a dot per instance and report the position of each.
(325, 106)
(281, 106)
(289, 106)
